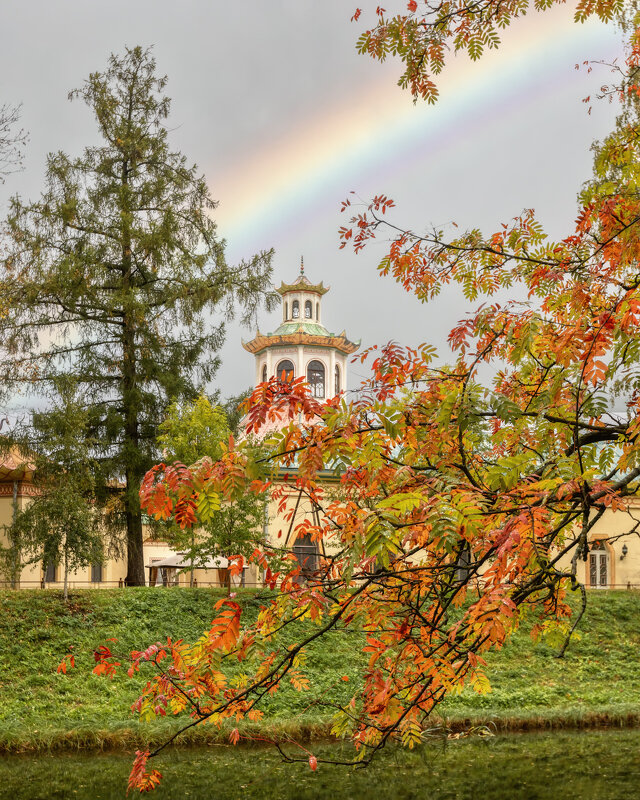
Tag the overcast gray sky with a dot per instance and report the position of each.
(284, 119)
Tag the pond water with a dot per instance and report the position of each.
(587, 764)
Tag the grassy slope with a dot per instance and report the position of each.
(39, 708)
(599, 674)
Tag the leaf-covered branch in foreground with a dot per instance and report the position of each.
(423, 33)
(461, 508)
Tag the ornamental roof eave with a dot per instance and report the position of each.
(302, 285)
(16, 467)
(261, 342)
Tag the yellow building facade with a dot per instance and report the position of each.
(613, 559)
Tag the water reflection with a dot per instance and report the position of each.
(595, 764)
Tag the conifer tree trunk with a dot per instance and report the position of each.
(135, 556)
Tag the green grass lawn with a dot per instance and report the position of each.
(599, 676)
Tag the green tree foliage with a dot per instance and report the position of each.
(192, 432)
(60, 525)
(234, 409)
(114, 276)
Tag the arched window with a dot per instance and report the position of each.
(264, 374)
(317, 312)
(598, 566)
(315, 378)
(337, 379)
(295, 309)
(285, 370)
(286, 311)
(308, 310)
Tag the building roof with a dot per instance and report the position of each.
(15, 467)
(301, 325)
(299, 335)
(302, 284)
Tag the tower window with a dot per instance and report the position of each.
(286, 311)
(295, 309)
(308, 310)
(264, 374)
(285, 371)
(315, 378)
(317, 312)
(337, 379)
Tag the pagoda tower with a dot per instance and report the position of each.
(301, 345)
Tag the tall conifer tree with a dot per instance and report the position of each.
(114, 276)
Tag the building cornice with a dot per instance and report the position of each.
(23, 489)
(340, 342)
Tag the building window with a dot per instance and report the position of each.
(96, 573)
(295, 309)
(306, 553)
(50, 572)
(308, 310)
(264, 374)
(598, 566)
(337, 379)
(285, 371)
(317, 312)
(315, 378)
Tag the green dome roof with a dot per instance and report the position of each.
(301, 326)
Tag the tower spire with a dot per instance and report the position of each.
(302, 265)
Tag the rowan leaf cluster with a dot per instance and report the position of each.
(423, 34)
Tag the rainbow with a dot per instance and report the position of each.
(279, 186)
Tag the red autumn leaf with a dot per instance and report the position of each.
(139, 778)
